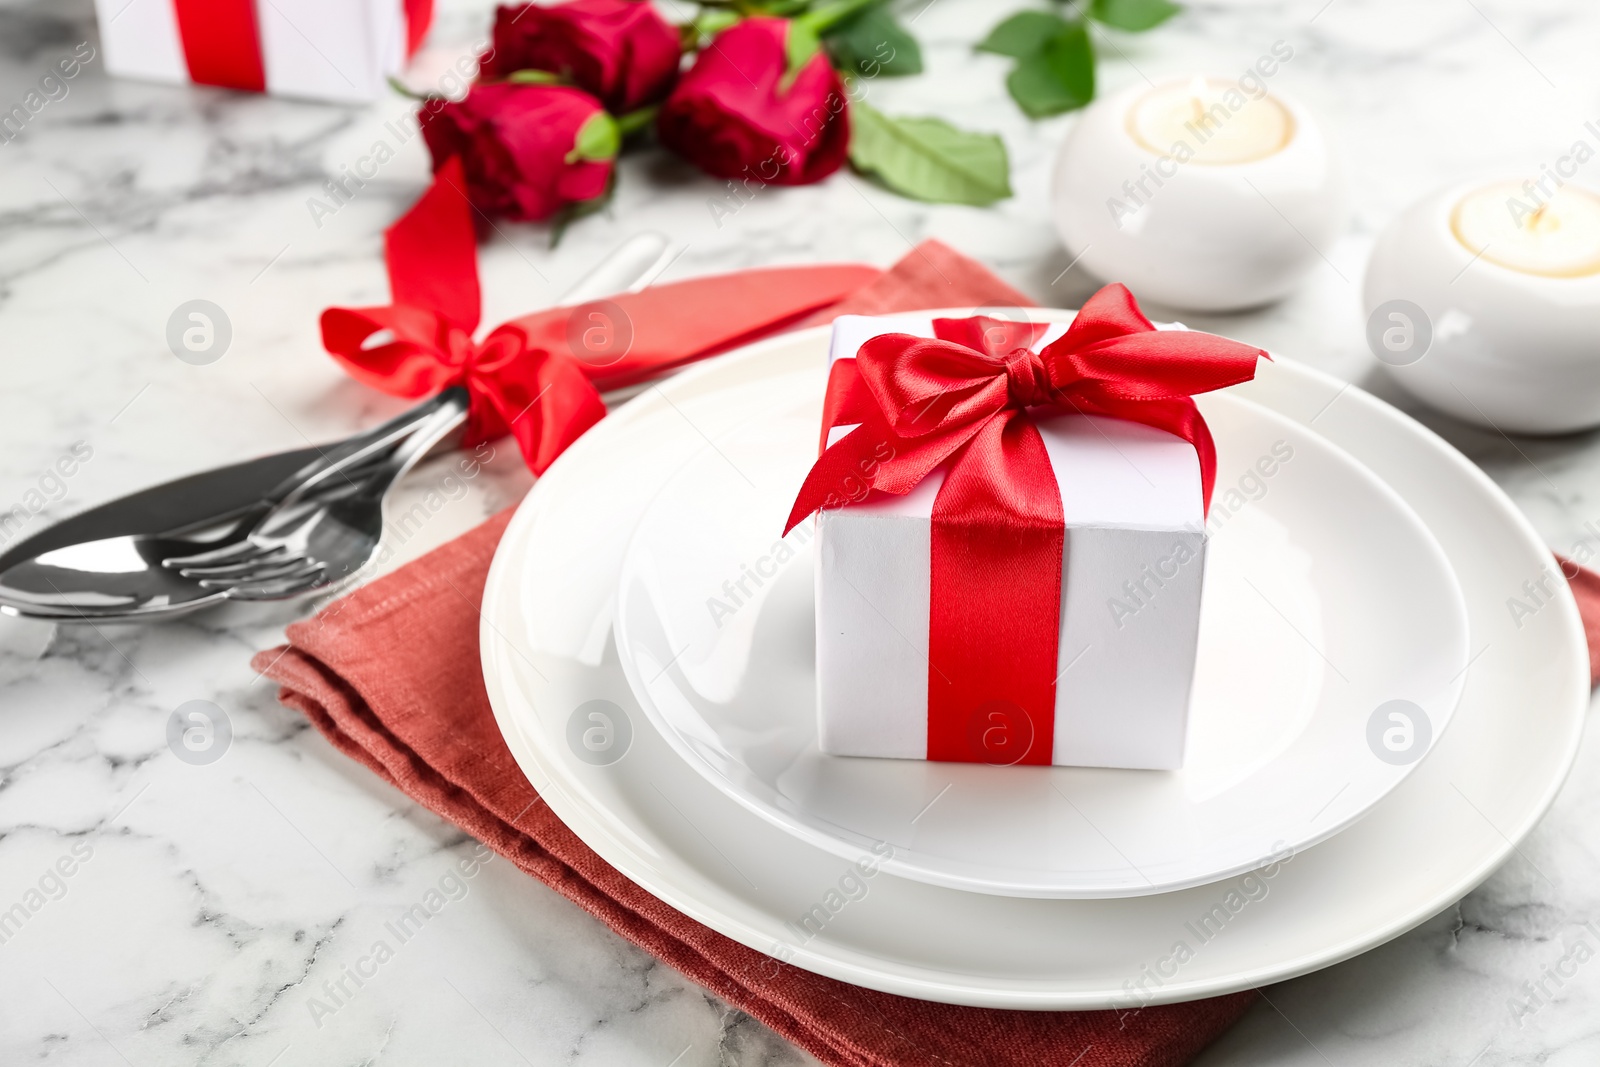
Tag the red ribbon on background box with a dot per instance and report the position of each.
(222, 40)
(525, 377)
(959, 399)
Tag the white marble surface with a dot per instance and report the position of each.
(217, 900)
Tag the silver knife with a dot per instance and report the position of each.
(104, 564)
(107, 560)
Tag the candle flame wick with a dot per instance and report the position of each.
(1197, 93)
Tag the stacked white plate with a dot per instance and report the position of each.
(1371, 731)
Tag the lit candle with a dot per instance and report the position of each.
(1204, 193)
(1559, 237)
(1485, 302)
(1216, 118)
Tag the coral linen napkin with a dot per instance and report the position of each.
(390, 675)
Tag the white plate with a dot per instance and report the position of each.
(547, 652)
(1325, 598)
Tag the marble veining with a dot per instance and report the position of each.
(214, 914)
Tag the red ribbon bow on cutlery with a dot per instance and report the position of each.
(960, 400)
(539, 377)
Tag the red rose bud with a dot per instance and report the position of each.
(527, 150)
(737, 114)
(620, 50)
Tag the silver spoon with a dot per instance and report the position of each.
(107, 564)
(328, 528)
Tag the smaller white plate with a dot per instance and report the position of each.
(1325, 598)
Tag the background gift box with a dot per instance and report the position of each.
(341, 50)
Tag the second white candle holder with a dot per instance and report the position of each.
(1484, 300)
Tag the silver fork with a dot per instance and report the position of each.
(329, 527)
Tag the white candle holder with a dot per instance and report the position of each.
(1486, 319)
(1233, 222)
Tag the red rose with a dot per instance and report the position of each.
(520, 146)
(619, 50)
(731, 116)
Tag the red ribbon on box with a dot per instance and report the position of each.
(222, 40)
(960, 400)
(533, 377)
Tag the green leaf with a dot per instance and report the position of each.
(1059, 77)
(1133, 15)
(706, 25)
(533, 77)
(825, 17)
(1023, 34)
(801, 44)
(598, 139)
(929, 159)
(874, 43)
(634, 121)
(805, 33)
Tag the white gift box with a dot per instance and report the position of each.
(340, 50)
(1130, 606)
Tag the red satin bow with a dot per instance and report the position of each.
(525, 378)
(924, 399)
(959, 400)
